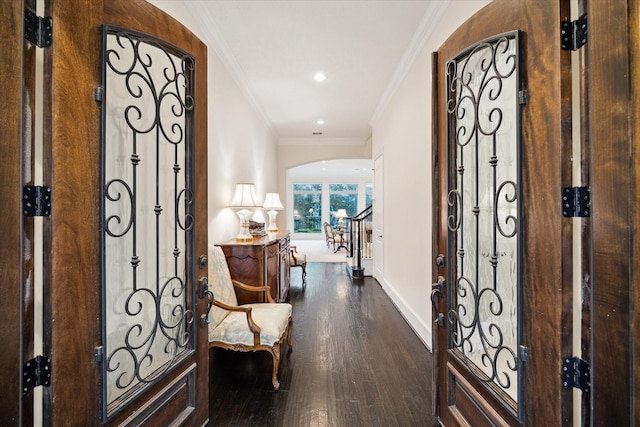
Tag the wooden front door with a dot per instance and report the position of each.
(124, 154)
(498, 288)
(510, 303)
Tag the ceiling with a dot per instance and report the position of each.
(274, 48)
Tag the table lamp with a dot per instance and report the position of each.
(244, 197)
(341, 214)
(272, 202)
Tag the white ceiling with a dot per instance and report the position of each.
(274, 48)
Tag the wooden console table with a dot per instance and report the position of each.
(262, 262)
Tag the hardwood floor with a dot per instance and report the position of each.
(355, 362)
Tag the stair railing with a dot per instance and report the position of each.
(360, 238)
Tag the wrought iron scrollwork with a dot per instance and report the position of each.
(147, 206)
(483, 220)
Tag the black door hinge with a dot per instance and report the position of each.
(576, 373)
(574, 34)
(576, 202)
(38, 30)
(523, 97)
(36, 372)
(36, 200)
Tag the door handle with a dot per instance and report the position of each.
(204, 292)
(204, 319)
(437, 289)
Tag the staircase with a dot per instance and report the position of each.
(361, 247)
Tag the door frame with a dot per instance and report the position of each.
(378, 218)
(17, 74)
(615, 175)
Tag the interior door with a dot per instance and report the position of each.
(500, 303)
(135, 353)
(378, 219)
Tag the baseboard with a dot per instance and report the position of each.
(422, 330)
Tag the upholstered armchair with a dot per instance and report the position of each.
(334, 238)
(246, 327)
(298, 259)
(328, 234)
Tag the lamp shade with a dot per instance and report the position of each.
(244, 197)
(272, 201)
(341, 213)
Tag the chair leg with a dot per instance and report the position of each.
(289, 331)
(275, 353)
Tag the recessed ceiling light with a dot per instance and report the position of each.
(319, 77)
(320, 122)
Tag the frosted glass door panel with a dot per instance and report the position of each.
(484, 193)
(146, 212)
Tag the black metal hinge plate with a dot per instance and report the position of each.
(38, 30)
(36, 200)
(576, 202)
(36, 372)
(576, 373)
(574, 34)
(523, 97)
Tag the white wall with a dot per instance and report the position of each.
(403, 134)
(241, 147)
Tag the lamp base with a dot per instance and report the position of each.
(273, 227)
(244, 235)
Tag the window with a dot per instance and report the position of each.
(368, 196)
(343, 196)
(307, 208)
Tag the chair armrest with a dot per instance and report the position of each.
(253, 327)
(245, 287)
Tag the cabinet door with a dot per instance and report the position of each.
(273, 265)
(285, 268)
(246, 265)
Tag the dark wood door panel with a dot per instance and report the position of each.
(72, 274)
(543, 318)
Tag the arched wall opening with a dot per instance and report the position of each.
(316, 190)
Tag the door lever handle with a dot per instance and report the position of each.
(204, 319)
(203, 285)
(437, 290)
(204, 292)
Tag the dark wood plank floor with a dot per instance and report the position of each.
(355, 362)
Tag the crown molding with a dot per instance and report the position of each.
(217, 42)
(430, 18)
